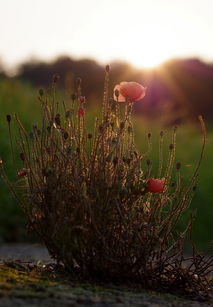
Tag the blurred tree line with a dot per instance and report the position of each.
(178, 90)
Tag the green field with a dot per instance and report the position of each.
(16, 97)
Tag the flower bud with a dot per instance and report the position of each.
(22, 156)
(8, 117)
(41, 92)
(48, 129)
(107, 68)
(122, 125)
(31, 135)
(65, 135)
(22, 173)
(73, 97)
(155, 185)
(148, 162)
(80, 112)
(56, 77)
(178, 165)
(115, 161)
(57, 119)
(171, 147)
(67, 113)
(194, 188)
(117, 93)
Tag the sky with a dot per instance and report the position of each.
(144, 33)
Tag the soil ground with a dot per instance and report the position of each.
(29, 278)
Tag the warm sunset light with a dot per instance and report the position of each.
(154, 49)
(144, 33)
(106, 133)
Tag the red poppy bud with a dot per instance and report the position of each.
(22, 173)
(80, 112)
(155, 185)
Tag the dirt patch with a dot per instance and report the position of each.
(45, 285)
(29, 278)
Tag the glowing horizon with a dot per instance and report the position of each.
(143, 33)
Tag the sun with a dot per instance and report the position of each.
(156, 45)
(149, 59)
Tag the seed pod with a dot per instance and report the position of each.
(178, 165)
(65, 135)
(22, 156)
(57, 119)
(171, 147)
(8, 117)
(115, 161)
(89, 135)
(117, 93)
(67, 113)
(194, 188)
(173, 183)
(148, 162)
(73, 97)
(107, 68)
(48, 129)
(31, 135)
(56, 77)
(122, 125)
(175, 128)
(41, 92)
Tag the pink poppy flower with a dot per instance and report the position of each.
(132, 91)
(155, 185)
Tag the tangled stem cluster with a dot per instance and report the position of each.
(88, 198)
